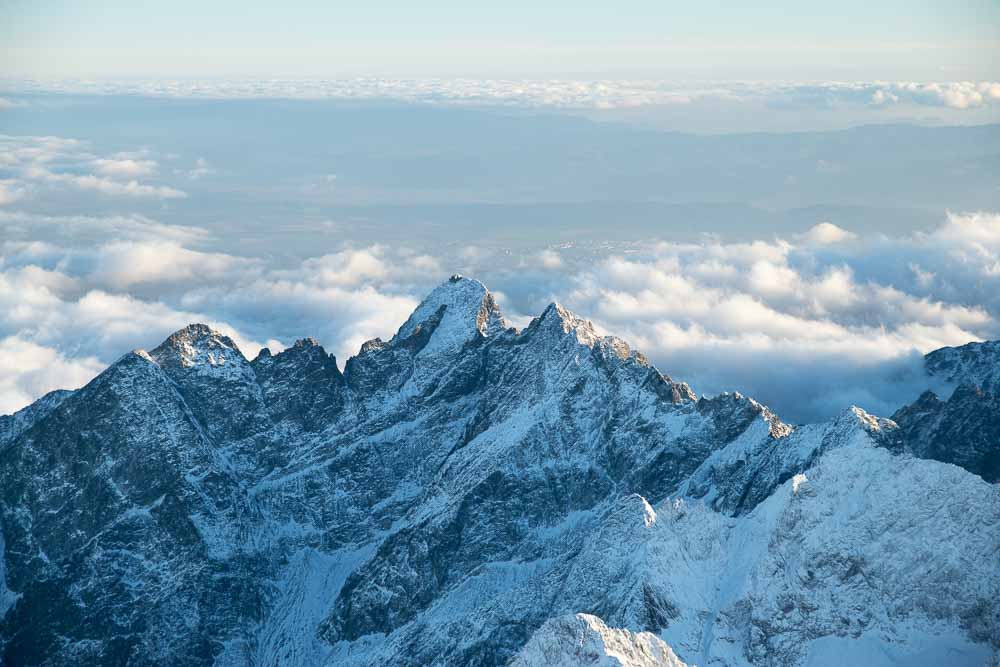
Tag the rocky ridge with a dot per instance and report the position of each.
(463, 486)
(962, 426)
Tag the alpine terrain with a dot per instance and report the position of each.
(471, 494)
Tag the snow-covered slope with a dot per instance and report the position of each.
(469, 494)
(582, 639)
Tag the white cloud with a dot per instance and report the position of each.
(37, 150)
(342, 318)
(959, 95)
(55, 161)
(826, 233)
(29, 370)
(125, 167)
(804, 326)
(956, 94)
(122, 264)
(807, 325)
(81, 229)
(103, 185)
(549, 259)
(343, 299)
(976, 234)
(565, 93)
(71, 303)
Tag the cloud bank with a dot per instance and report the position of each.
(807, 324)
(41, 166)
(556, 93)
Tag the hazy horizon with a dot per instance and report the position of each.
(809, 270)
(792, 204)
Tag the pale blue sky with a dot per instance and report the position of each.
(314, 169)
(704, 40)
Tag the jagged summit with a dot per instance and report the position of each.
(196, 331)
(302, 348)
(195, 345)
(454, 313)
(302, 351)
(853, 414)
(557, 319)
(568, 321)
(462, 492)
(458, 310)
(557, 322)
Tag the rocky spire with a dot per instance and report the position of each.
(459, 310)
(198, 345)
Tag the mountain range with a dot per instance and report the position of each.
(467, 493)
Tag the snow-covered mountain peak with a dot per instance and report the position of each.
(464, 506)
(871, 422)
(198, 345)
(192, 332)
(557, 321)
(457, 311)
(871, 428)
(560, 319)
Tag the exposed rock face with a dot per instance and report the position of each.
(963, 429)
(13, 425)
(457, 488)
(975, 363)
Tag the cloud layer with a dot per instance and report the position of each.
(807, 324)
(558, 93)
(810, 325)
(41, 166)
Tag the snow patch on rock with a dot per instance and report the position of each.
(583, 639)
(798, 481)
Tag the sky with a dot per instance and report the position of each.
(711, 40)
(794, 202)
